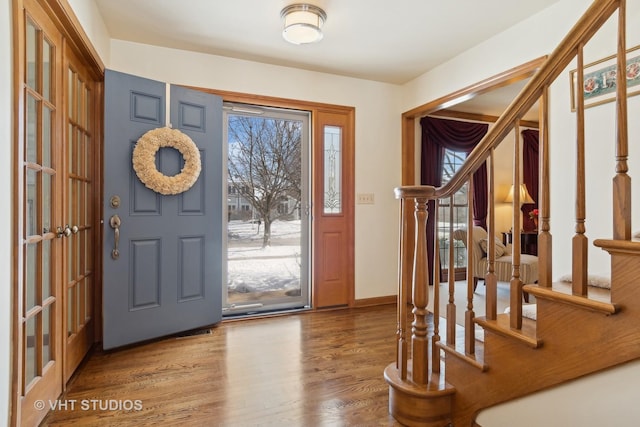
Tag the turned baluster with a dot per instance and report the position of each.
(469, 327)
(544, 199)
(580, 243)
(515, 294)
(622, 181)
(451, 303)
(490, 280)
(435, 350)
(402, 355)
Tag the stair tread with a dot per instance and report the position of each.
(502, 326)
(611, 245)
(597, 299)
(593, 292)
(458, 348)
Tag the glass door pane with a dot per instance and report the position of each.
(267, 210)
(332, 170)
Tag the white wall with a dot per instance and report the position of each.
(377, 136)
(89, 17)
(6, 182)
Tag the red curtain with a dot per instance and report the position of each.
(441, 134)
(530, 162)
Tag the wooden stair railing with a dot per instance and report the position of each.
(436, 382)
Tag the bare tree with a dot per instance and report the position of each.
(265, 165)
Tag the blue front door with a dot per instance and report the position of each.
(166, 276)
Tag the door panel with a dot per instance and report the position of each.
(167, 278)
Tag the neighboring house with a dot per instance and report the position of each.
(238, 207)
(378, 109)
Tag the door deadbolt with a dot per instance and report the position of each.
(114, 201)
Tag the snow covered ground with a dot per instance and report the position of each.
(252, 268)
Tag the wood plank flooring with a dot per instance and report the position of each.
(306, 369)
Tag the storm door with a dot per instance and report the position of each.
(267, 200)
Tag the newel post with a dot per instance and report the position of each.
(417, 396)
(420, 296)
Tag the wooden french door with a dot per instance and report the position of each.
(80, 237)
(54, 193)
(39, 311)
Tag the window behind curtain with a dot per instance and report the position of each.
(452, 161)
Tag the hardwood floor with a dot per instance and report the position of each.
(308, 369)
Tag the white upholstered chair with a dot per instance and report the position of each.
(503, 262)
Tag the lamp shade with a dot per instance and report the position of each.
(303, 23)
(525, 197)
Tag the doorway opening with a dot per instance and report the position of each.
(267, 243)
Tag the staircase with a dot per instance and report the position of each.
(446, 380)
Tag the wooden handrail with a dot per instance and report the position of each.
(582, 31)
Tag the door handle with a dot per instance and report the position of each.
(115, 222)
(63, 232)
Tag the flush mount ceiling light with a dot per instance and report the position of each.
(303, 23)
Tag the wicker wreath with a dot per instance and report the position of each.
(144, 161)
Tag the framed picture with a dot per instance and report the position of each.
(599, 85)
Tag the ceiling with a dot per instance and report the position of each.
(386, 41)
